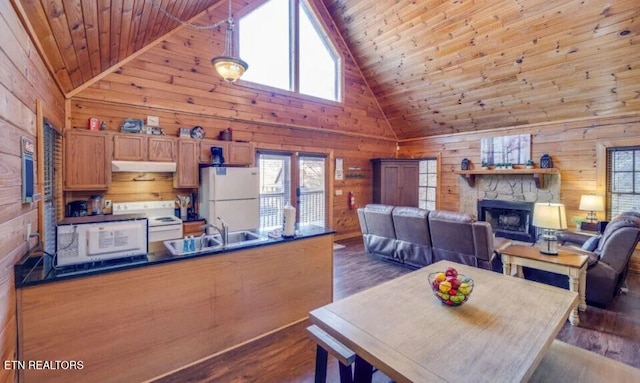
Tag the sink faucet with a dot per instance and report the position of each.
(223, 230)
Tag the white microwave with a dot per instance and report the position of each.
(99, 238)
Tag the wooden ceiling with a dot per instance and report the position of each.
(435, 66)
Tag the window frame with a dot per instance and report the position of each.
(321, 28)
(610, 172)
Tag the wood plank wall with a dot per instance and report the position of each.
(573, 147)
(23, 79)
(175, 81)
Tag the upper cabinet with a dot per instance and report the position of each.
(87, 160)
(138, 147)
(234, 153)
(186, 175)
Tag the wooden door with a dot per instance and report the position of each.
(87, 160)
(186, 175)
(161, 149)
(408, 185)
(129, 147)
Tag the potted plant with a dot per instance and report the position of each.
(577, 220)
(508, 165)
(484, 165)
(529, 164)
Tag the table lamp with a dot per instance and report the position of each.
(550, 217)
(591, 203)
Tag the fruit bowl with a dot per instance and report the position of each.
(451, 288)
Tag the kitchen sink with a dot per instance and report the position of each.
(214, 242)
(210, 242)
(242, 237)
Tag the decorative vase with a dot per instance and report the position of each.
(464, 165)
(545, 161)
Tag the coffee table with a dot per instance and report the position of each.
(500, 334)
(566, 263)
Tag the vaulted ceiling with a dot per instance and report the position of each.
(435, 66)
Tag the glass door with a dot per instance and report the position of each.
(298, 179)
(311, 194)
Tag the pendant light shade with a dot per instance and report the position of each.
(229, 68)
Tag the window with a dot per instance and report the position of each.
(286, 48)
(427, 183)
(623, 180)
(52, 144)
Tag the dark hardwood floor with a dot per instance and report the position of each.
(288, 355)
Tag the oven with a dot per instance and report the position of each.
(163, 224)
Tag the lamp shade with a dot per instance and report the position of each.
(229, 68)
(549, 216)
(591, 203)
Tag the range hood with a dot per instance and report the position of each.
(142, 166)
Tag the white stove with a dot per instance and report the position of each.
(163, 224)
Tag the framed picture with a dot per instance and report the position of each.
(506, 149)
(131, 126)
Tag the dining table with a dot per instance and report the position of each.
(500, 334)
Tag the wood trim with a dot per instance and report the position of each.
(40, 172)
(244, 121)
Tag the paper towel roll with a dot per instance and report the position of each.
(289, 221)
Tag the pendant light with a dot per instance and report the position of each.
(228, 65)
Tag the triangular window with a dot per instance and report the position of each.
(287, 48)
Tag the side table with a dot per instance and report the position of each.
(566, 263)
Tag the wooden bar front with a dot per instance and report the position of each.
(134, 325)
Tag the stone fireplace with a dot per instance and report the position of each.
(519, 190)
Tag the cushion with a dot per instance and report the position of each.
(592, 243)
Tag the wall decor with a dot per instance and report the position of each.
(131, 126)
(464, 165)
(514, 149)
(545, 161)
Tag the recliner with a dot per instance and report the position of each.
(608, 263)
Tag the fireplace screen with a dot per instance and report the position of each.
(508, 219)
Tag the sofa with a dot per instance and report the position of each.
(609, 256)
(417, 237)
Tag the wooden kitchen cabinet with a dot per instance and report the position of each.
(395, 181)
(141, 147)
(87, 160)
(193, 227)
(234, 153)
(187, 170)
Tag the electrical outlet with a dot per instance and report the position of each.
(28, 231)
(107, 204)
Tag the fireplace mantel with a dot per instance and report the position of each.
(538, 174)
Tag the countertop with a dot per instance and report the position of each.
(35, 268)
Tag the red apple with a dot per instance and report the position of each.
(455, 283)
(450, 271)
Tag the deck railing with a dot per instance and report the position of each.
(312, 208)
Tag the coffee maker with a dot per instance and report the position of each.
(96, 204)
(77, 209)
(216, 156)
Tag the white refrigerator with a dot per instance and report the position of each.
(231, 194)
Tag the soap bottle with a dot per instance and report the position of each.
(185, 244)
(192, 243)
